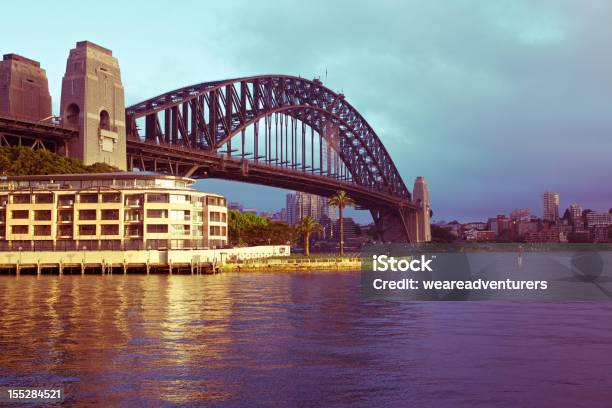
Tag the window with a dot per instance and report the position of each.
(66, 200)
(132, 215)
(87, 215)
(157, 228)
(21, 199)
(21, 214)
(111, 198)
(220, 201)
(215, 216)
(43, 198)
(179, 229)
(112, 229)
(42, 230)
(42, 215)
(65, 215)
(89, 198)
(133, 230)
(133, 200)
(64, 231)
(110, 214)
(72, 114)
(157, 198)
(104, 120)
(176, 198)
(157, 213)
(215, 230)
(20, 229)
(87, 230)
(179, 215)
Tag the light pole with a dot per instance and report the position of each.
(19, 264)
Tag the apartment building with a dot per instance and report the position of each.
(109, 211)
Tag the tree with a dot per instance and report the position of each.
(306, 227)
(241, 225)
(442, 235)
(341, 200)
(24, 161)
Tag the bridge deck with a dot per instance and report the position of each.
(201, 164)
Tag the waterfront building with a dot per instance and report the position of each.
(598, 219)
(521, 215)
(477, 225)
(550, 204)
(109, 211)
(601, 234)
(576, 219)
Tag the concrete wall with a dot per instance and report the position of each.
(153, 257)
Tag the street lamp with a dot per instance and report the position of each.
(19, 267)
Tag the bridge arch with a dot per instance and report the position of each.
(183, 132)
(207, 116)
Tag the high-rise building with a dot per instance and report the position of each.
(291, 209)
(575, 211)
(521, 214)
(550, 203)
(300, 205)
(576, 219)
(598, 219)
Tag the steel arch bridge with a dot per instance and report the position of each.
(275, 130)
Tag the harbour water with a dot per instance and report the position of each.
(295, 339)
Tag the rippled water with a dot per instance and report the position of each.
(296, 339)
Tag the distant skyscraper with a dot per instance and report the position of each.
(300, 205)
(291, 208)
(521, 214)
(550, 203)
(575, 211)
(235, 206)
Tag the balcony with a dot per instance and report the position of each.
(65, 202)
(111, 198)
(133, 202)
(88, 198)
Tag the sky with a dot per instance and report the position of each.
(493, 102)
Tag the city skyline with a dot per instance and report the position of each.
(507, 101)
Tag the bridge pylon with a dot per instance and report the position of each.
(93, 101)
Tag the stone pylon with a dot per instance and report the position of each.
(24, 89)
(93, 100)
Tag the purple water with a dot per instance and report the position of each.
(295, 339)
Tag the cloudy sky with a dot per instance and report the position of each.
(493, 102)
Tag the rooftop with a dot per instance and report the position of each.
(120, 175)
(15, 57)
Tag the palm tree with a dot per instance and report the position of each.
(341, 200)
(307, 226)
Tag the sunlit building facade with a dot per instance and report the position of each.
(109, 211)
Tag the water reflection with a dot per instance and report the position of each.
(306, 339)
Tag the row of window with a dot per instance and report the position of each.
(83, 184)
(65, 200)
(111, 244)
(113, 214)
(113, 229)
